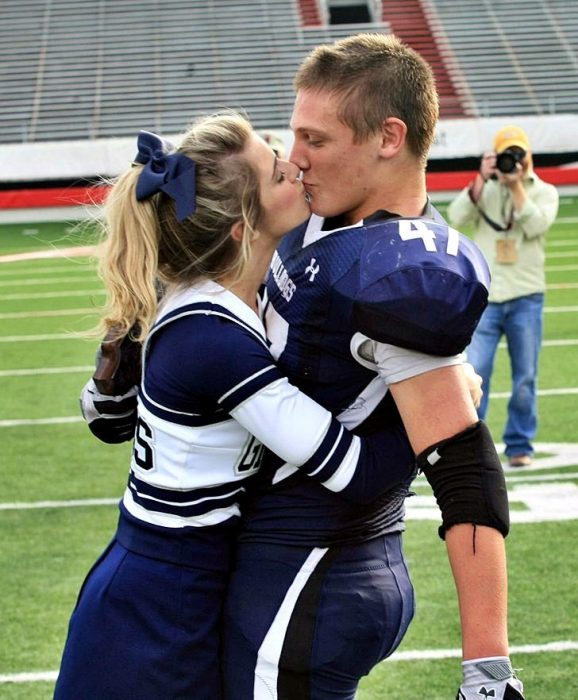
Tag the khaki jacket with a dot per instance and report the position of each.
(523, 273)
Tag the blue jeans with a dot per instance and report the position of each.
(520, 320)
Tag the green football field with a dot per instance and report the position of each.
(59, 485)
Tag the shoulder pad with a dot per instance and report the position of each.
(422, 286)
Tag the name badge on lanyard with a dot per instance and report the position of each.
(506, 251)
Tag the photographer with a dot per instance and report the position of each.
(511, 209)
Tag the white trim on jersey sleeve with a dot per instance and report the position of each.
(285, 420)
(343, 475)
(394, 364)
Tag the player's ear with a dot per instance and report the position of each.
(393, 133)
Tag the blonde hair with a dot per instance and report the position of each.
(145, 246)
(376, 76)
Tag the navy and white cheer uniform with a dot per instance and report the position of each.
(321, 591)
(147, 620)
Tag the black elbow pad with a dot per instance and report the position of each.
(468, 480)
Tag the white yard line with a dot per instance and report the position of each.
(36, 282)
(560, 309)
(79, 503)
(44, 370)
(559, 343)
(51, 253)
(52, 295)
(563, 285)
(430, 654)
(551, 343)
(563, 254)
(565, 391)
(529, 478)
(561, 268)
(561, 244)
(46, 314)
(39, 337)
(77, 268)
(18, 422)
(37, 677)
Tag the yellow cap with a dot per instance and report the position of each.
(510, 136)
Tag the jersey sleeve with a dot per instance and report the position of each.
(395, 364)
(421, 285)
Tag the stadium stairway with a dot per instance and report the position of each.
(309, 13)
(409, 21)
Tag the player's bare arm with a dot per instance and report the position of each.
(436, 406)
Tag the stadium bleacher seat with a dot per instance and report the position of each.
(71, 69)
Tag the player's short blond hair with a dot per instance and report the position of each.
(376, 76)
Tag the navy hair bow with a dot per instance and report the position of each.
(165, 171)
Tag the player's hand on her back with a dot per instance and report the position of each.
(111, 419)
(490, 679)
(108, 400)
(118, 364)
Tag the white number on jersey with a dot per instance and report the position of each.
(410, 229)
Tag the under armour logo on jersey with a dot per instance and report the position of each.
(313, 268)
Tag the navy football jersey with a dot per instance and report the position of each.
(413, 283)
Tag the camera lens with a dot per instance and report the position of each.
(506, 162)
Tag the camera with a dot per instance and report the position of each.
(507, 160)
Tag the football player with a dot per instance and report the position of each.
(368, 306)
